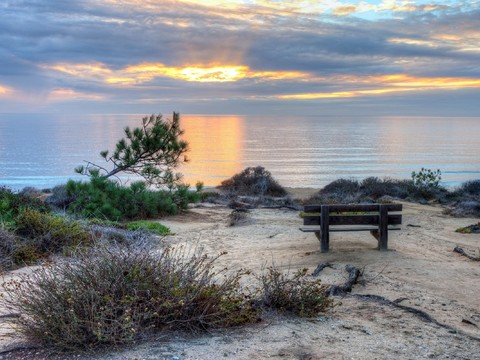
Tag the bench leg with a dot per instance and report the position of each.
(383, 229)
(324, 239)
(324, 228)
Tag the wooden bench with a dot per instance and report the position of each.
(376, 218)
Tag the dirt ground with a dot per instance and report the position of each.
(420, 271)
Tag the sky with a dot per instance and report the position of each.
(389, 57)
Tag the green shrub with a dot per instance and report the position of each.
(253, 181)
(11, 204)
(297, 294)
(50, 233)
(427, 178)
(105, 199)
(151, 226)
(115, 296)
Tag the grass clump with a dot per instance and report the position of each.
(151, 226)
(253, 181)
(296, 293)
(112, 296)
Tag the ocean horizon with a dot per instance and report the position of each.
(42, 150)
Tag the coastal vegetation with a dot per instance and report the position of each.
(151, 151)
(110, 288)
(253, 181)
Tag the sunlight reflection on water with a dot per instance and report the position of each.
(42, 150)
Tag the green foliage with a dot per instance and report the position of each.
(117, 295)
(11, 204)
(253, 181)
(105, 199)
(427, 178)
(50, 233)
(298, 294)
(151, 226)
(151, 152)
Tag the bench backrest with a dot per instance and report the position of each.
(355, 214)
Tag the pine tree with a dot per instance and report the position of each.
(151, 152)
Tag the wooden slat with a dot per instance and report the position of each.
(347, 229)
(352, 220)
(352, 207)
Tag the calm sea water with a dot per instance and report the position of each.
(42, 150)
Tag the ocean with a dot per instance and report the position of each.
(42, 150)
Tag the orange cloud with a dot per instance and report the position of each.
(385, 84)
(344, 10)
(89, 70)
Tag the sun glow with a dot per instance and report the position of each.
(141, 73)
(147, 72)
(4, 90)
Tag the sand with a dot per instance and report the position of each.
(420, 271)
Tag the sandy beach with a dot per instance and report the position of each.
(420, 271)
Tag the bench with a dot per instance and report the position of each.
(376, 218)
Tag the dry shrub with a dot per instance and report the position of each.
(8, 242)
(297, 293)
(372, 189)
(253, 181)
(60, 198)
(238, 217)
(471, 187)
(108, 235)
(469, 208)
(111, 296)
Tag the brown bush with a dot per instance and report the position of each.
(115, 295)
(297, 293)
(253, 181)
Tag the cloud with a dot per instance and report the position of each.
(137, 52)
(146, 72)
(387, 84)
(61, 95)
(345, 10)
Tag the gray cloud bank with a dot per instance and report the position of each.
(341, 55)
